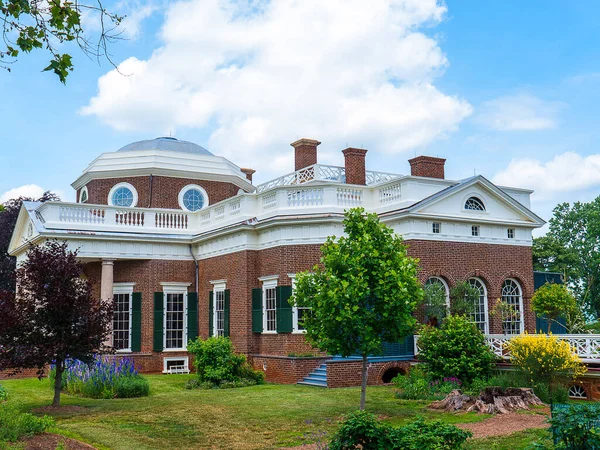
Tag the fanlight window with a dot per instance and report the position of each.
(474, 204)
(577, 391)
(512, 307)
(83, 196)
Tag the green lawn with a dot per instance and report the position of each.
(258, 417)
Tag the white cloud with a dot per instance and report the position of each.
(564, 173)
(134, 12)
(27, 190)
(520, 112)
(258, 75)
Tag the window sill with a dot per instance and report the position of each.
(124, 351)
(269, 332)
(170, 350)
(299, 332)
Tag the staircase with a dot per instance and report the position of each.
(317, 377)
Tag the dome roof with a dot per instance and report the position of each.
(167, 144)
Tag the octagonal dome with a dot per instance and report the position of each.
(167, 144)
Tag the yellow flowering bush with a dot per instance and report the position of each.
(544, 359)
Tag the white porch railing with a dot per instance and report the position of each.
(587, 346)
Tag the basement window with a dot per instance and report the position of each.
(174, 365)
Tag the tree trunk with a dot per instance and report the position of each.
(57, 383)
(549, 324)
(363, 387)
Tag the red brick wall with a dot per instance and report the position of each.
(347, 374)
(427, 166)
(165, 190)
(354, 162)
(23, 373)
(279, 369)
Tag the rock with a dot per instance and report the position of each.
(491, 400)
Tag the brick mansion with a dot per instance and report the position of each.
(185, 245)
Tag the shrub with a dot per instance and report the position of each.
(3, 394)
(552, 300)
(105, 378)
(362, 430)
(544, 360)
(14, 424)
(457, 349)
(416, 385)
(217, 364)
(576, 427)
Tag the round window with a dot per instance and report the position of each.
(193, 200)
(122, 196)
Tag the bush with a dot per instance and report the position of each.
(217, 364)
(105, 377)
(362, 430)
(544, 361)
(14, 424)
(416, 385)
(457, 349)
(3, 394)
(576, 427)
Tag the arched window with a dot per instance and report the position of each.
(83, 195)
(437, 300)
(123, 194)
(512, 307)
(193, 198)
(474, 204)
(480, 313)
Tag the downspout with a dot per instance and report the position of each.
(150, 192)
(195, 262)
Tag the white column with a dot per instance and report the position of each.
(106, 282)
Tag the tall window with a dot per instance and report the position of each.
(298, 312)
(436, 288)
(270, 306)
(479, 314)
(219, 318)
(512, 311)
(122, 321)
(175, 320)
(474, 204)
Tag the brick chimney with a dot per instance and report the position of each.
(356, 172)
(248, 173)
(306, 152)
(427, 166)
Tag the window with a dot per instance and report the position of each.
(577, 391)
(436, 227)
(510, 233)
(193, 198)
(219, 310)
(177, 364)
(479, 314)
(269, 294)
(474, 204)
(298, 313)
(512, 302)
(474, 230)
(121, 325)
(175, 312)
(123, 194)
(83, 195)
(434, 312)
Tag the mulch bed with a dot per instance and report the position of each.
(48, 441)
(503, 424)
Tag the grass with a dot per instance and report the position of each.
(258, 417)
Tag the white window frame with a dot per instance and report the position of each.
(120, 289)
(120, 185)
(446, 289)
(186, 363)
(485, 305)
(521, 312)
(219, 286)
(84, 190)
(475, 231)
(188, 188)
(439, 227)
(175, 288)
(268, 282)
(295, 328)
(510, 231)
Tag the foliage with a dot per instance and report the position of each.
(3, 394)
(434, 303)
(550, 255)
(364, 293)
(575, 230)
(544, 360)
(362, 430)
(50, 24)
(416, 385)
(14, 424)
(217, 365)
(463, 298)
(552, 300)
(456, 349)
(53, 317)
(576, 427)
(8, 219)
(104, 377)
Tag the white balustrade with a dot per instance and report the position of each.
(349, 197)
(305, 197)
(390, 194)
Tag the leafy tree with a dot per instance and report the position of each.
(553, 300)
(48, 24)
(53, 317)
(463, 298)
(550, 255)
(9, 213)
(363, 295)
(434, 303)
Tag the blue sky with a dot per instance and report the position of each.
(506, 89)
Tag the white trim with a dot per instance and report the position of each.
(219, 286)
(446, 288)
(267, 278)
(175, 288)
(87, 195)
(186, 363)
(295, 329)
(268, 282)
(188, 188)
(215, 282)
(174, 284)
(125, 185)
(521, 310)
(123, 289)
(485, 304)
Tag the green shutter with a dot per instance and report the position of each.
(211, 314)
(284, 309)
(257, 311)
(158, 321)
(226, 314)
(192, 318)
(136, 322)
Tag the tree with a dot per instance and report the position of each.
(553, 300)
(48, 24)
(463, 299)
(364, 293)
(434, 304)
(9, 213)
(550, 255)
(53, 317)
